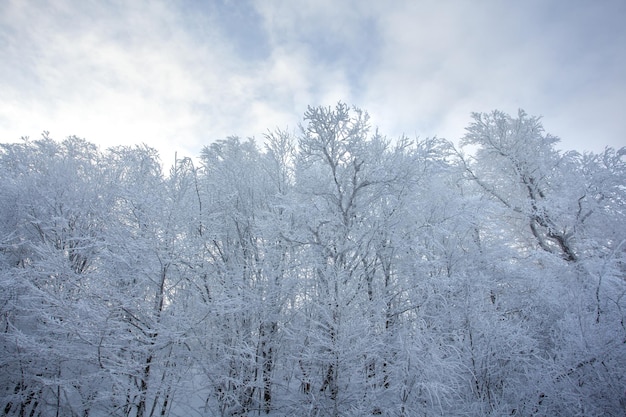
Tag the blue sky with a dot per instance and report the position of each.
(178, 75)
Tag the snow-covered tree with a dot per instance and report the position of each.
(332, 272)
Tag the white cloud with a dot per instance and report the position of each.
(112, 76)
(442, 62)
(180, 75)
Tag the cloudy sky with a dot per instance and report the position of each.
(178, 75)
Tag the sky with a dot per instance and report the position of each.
(179, 75)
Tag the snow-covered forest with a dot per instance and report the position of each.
(330, 272)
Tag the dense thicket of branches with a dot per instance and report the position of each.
(332, 273)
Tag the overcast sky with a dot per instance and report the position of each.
(178, 75)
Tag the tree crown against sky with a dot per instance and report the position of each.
(331, 272)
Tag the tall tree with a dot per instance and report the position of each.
(244, 191)
(51, 242)
(356, 191)
(517, 164)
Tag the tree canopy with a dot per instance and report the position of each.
(330, 272)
